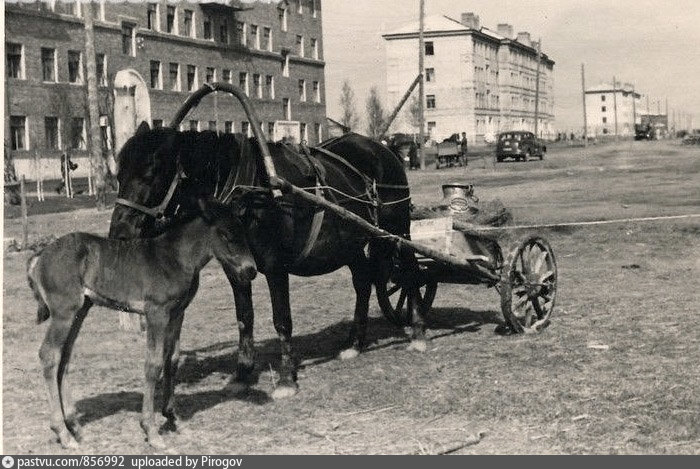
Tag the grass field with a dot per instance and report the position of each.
(616, 372)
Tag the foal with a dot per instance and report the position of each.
(157, 277)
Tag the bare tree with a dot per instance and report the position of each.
(347, 102)
(375, 114)
(414, 112)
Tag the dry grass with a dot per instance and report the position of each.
(631, 287)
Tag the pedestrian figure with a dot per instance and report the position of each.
(463, 147)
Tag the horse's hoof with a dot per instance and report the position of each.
(418, 346)
(349, 354)
(283, 392)
(77, 431)
(155, 441)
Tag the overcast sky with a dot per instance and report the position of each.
(653, 44)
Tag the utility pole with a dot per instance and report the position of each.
(615, 105)
(97, 161)
(537, 89)
(585, 118)
(634, 109)
(421, 85)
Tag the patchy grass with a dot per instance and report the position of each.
(616, 372)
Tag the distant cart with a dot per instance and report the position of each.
(449, 153)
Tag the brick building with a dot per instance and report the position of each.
(611, 107)
(478, 81)
(272, 49)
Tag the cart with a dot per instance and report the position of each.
(448, 251)
(449, 154)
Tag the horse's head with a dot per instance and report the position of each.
(147, 174)
(228, 241)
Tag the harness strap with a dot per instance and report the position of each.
(159, 210)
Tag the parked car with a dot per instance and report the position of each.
(519, 145)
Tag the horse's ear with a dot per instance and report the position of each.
(143, 128)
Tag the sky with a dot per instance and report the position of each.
(653, 44)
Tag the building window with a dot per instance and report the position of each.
(430, 101)
(156, 80)
(77, 136)
(171, 20)
(314, 48)
(245, 128)
(285, 66)
(302, 90)
(101, 64)
(303, 135)
(188, 23)
(128, 39)
(211, 75)
(271, 131)
(270, 85)
(267, 39)
(605, 131)
(228, 127)
(257, 85)
(603, 109)
(429, 48)
(157, 123)
(18, 133)
(226, 75)
(317, 131)
(191, 77)
(75, 66)
(241, 33)
(605, 120)
(429, 74)
(15, 60)
(431, 127)
(174, 77)
(206, 26)
(243, 81)
(283, 19)
(52, 134)
(602, 97)
(223, 32)
(314, 10)
(212, 126)
(255, 35)
(300, 8)
(194, 125)
(317, 92)
(286, 109)
(152, 17)
(300, 45)
(48, 64)
(75, 9)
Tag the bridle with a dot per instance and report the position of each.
(158, 211)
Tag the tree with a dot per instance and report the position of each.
(375, 114)
(414, 112)
(347, 103)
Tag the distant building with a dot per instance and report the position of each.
(478, 81)
(605, 103)
(272, 49)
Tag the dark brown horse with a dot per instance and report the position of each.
(155, 277)
(166, 169)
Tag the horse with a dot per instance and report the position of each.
(162, 170)
(156, 277)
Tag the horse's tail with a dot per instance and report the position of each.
(42, 313)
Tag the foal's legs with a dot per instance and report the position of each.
(278, 284)
(51, 353)
(157, 321)
(362, 281)
(171, 358)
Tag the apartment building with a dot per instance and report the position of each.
(477, 80)
(272, 49)
(613, 108)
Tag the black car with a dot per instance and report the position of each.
(519, 145)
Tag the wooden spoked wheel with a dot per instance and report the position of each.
(529, 286)
(393, 299)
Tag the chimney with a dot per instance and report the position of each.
(505, 30)
(470, 20)
(524, 38)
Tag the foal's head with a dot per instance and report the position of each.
(228, 241)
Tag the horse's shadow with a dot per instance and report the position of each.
(310, 349)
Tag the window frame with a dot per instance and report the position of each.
(178, 86)
(80, 78)
(195, 81)
(175, 28)
(21, 68)
(159, 79)
(58, 133)
(429, 46)
(82, 144)
(54, 70)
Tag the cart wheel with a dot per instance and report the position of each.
(393, 300)
(529, 286)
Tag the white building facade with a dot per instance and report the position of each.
(611, 107)
(477, 80)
